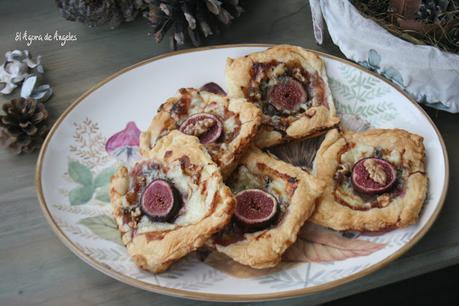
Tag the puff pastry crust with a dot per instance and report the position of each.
(295, 190)
(240, 118)
(208, 202)
(341, 208)
(250, 75)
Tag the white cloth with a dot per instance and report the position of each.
(428, 74)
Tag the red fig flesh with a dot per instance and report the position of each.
(373, 175)
(287, 94)
(159, 201)
(255, 209)
(205, 126)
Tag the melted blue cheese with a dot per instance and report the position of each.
(346, 193)
(358, 152)
(243, 179)
(230, 124)
(395, 157)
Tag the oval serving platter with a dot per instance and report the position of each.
(75, 165)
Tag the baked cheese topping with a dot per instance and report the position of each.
(268, 74)
(197, 204)
(205, 102)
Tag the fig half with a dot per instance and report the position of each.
(288, 94)
(255, 209)
(206, 127)
(373, 175)
(160, 201)
(213, 88)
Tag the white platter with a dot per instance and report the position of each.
(73, 171)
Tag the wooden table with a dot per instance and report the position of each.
(36, 268)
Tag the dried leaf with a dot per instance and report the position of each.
(412, 24)
(17, 67)
(319, 244)
(406, 8)
(32, 88)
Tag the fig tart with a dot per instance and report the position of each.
(273, 200)
(225, 126)
(290, 86)
(170, 204)
(376, 179)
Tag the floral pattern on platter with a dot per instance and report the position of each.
(93, 161)
(124, 145)
(89, 171)
(362, 94)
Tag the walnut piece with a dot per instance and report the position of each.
(278, 70)
(298, 75)
(199, 127)
(310, 112)
(343, 169)
(376, 171)
(383, 200)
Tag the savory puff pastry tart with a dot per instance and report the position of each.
(376, 179)
(169, 205)
(224, 126)
(290, 86)
(273, 200)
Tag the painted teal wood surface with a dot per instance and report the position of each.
(37, 269)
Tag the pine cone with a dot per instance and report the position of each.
(430, 10)
(191, 19)
(453, 36)
(23, 126)
(376, 6)
(100, 12)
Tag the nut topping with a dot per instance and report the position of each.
(199, 127)
(375, 171)
(297, 74)
(207, 127)
(373, 175)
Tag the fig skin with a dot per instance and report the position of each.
(262, 214)
(369, 186)
(212, 134)
(168, 201)
(213, 88)
(287, 95)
